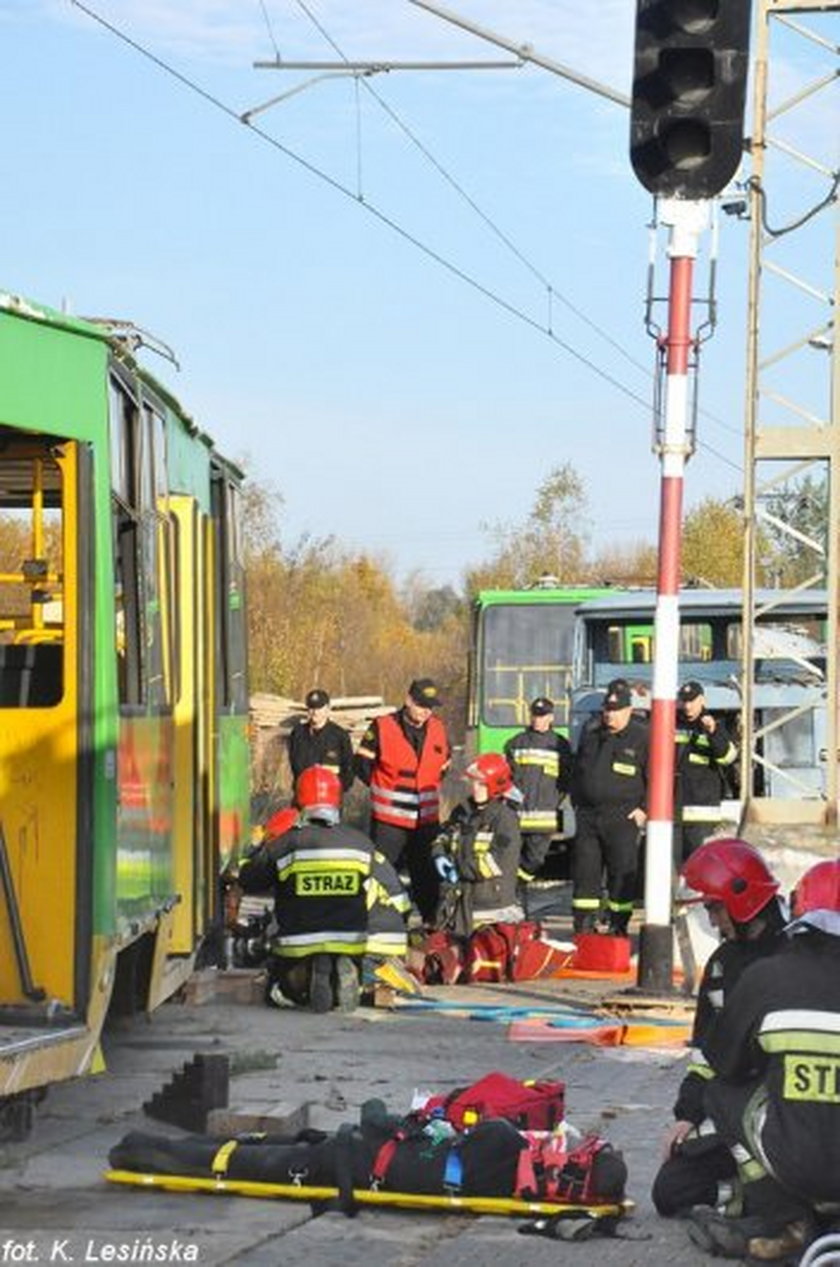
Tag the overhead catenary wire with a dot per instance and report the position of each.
(552, 292)
(381, 216)
(270, 30)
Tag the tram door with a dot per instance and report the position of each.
(46, 744)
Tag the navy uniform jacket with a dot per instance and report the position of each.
(611, 768)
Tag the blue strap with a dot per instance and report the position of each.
(453, 1171)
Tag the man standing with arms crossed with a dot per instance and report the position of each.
(704, 752)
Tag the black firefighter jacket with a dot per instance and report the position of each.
(781, 1027)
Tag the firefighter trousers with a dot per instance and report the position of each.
(607, 840)
(410, 849)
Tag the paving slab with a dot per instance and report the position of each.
(52, 1190)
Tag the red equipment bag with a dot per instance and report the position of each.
(509, 952)
(443, 959)
(530, 1106)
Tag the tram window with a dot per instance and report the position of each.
(153, 600)
(32, 567)
(526, 651)
(127, 608)
(156, 435)
(230, 591)
(124, 444)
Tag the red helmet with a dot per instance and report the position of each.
(730, 871)
(318, 788)
(493, 771)
(818, 889)
(280, 822)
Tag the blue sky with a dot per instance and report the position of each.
(391, 402)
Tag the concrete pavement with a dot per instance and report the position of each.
(55, 1206)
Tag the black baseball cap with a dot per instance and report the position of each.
(425, 693)
(689, 691)
(618, 696)
(541, 706)
(317, 699)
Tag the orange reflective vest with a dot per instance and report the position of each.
(405, 786)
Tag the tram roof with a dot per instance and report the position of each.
(632, 604)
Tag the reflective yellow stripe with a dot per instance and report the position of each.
(800, 1040)
(621, 767)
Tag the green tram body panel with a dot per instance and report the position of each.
(92, 450)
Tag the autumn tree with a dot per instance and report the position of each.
(713, 544)
(552, 540)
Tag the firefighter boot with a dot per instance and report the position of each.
(320, 983)
(773, 1249)
(346, 984)
(753, 1237)
(584, 921)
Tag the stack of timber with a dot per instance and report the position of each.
(272, 718)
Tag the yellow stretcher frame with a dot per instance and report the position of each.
(370, 1196)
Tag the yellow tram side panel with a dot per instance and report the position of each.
(38, 800)
(210, 723)
(190, 756)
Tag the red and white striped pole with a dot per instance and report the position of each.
(686, 221)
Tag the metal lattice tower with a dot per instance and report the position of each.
(793, 378)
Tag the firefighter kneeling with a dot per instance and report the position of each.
(325, 877)
(776, 1100)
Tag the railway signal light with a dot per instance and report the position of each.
(689, 94)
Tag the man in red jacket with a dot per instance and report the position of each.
(403, 758)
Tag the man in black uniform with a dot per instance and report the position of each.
(704, 752)
(540, 761)
(319, 741)
(776, 1050)
(609, 791)
(737, 888)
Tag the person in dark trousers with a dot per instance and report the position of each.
(775, 1048)
(704, 752)
(609, 793)
(540, 762)
(734, 883)
(319, 872)
(317, 740)
(477, 852)
(403, 757)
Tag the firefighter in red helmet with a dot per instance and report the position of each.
(478, 849)
(732, 880)
(775, 1049)
(319, 870)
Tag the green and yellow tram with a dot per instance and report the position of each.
(123, 695)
